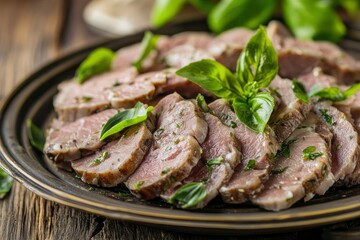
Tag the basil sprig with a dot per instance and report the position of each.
(189, 194)
(299, 91)
(97, 62)
(35, 135)
(335, 94)
(148, 44)
(256, 68)
(124, 119)
(5, 183)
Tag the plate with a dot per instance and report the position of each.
(33, 99)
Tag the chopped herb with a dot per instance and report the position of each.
(165, 171)
(250, 165)
(213, 162)
(173, 179)
(335, 94)
(85, 99)
(232, 124)
(351, 137)
(326, 116)
(189, 194)
(323, 169)
(168, 148)
(158, 132)
(138, 185)
(35, 135)
(278, 171)
(177, 125)
(176, 141)
(100, 158)
(148, 45)
(5, 183)
(124, 119)
(116, 84)
(77, 176)
(181, 112)
(224, 116)
(202, 104)
(310, 154)
(338, 146)
(285, 149)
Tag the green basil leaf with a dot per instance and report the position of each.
(351, 6)
(148, 44)
(335, 94)
(124, 119)
(235, 13)
(213, 77)
(189, 194)
(256, 111)
(299, 91)
(165, 10)
(309, 19)
(202, 104)
(97, 62)
(203, 5)
(5, 183)
(35, 135)
(258, 62)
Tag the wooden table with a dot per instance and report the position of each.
(31, 33)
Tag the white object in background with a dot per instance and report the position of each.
(121, 17)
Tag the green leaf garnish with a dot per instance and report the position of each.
(5, 183)
(189, 194)
(256, 112)
(97, 62)
(256, 68)
(202, 104)
(214, 162)
(310, 154)
(235, 13)
(278, 171)
(328, 119)
(35, 135)
(148, 44)
(138, 185)
(125, 119)
(250, 165)
(299, 16)
(299, 91)
(203, 5)
(335, 94)
(165, 10)
(285, 149)
(100, 158)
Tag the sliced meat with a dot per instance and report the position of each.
(221, 153)
(296, 174)
(175, 150)
(74, 140)
(79, 100)
(226, 47)
(290, 113)
(298, 57)
(116, 161)
(345, 146)
(258, 151)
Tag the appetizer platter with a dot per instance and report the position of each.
(186, 130)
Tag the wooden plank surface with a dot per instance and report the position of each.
(31, 33)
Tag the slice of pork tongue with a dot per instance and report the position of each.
(345, 146)
(295, 174)
(221, 145)
(175, 149)
(226, 47)
(298, 57)
(117, 160)
(291, 111)
(74, 140)
(258, 150)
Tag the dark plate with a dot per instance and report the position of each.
(33, 99)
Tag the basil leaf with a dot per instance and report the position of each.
(125, 119)
(309, 19)
(5, 183)
(97, 62)
(335, 94)
(35, 135)
(165, 10)
(234, 13)
(351, 6)
(299, 91)
(203, 5)
(213, 77)
(202, 104)
(258, 62)
(189, 194)
(148, 44)
(256, 111)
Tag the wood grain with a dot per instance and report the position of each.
(31, 33)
